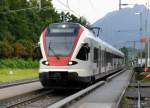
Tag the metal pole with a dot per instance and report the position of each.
(141, 24)
(139, 95)
(68, 4)
(146, 53)
(140, 30)
(148, 56)
(141, 57)
(147, 43)
(64, 17)
(134, 49)
(119, 4)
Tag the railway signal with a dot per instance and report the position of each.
(143, 40)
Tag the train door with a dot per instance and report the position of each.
(102, 60)
(105, 60)
(96, 60)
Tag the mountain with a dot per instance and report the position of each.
(124, 25)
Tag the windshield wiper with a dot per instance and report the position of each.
(53, 51)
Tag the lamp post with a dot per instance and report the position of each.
(119, 4)
(140, 29)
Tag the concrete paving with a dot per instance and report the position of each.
(107, 95)
(18, 90)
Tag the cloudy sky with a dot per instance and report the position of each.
(93, 10)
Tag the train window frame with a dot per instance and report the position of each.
(102, 58)
(95, 55)
(83, 53)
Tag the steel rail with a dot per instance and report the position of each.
(26, 100)
(139, 95)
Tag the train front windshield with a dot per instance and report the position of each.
(60, 39)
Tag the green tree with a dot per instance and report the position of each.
(125, 51)
(21, 27)
(6, 50)
(20, 50)
(28, 47)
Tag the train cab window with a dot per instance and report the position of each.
(83, 52)
(95, 55)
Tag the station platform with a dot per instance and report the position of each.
(107, 95)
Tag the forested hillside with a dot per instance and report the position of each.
(21, 23)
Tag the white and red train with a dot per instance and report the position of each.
(72, 55)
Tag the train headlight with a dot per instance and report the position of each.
(72, 62)
(45, 62)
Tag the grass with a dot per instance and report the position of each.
(19, 63)
(124, 102)
(7, 75)
(146, 80)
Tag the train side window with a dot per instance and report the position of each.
(95, 55)
(83, 52)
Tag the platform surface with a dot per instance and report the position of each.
(107, 95)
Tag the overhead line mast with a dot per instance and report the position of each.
(119, 4)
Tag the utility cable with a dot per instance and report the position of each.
(68, 7)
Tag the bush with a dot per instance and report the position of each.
(6, 50)
(18, 63)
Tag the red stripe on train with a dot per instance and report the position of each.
(44, 42)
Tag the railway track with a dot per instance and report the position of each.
(137, 95)
(18, 82)
(14, 101)
(37, 99)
